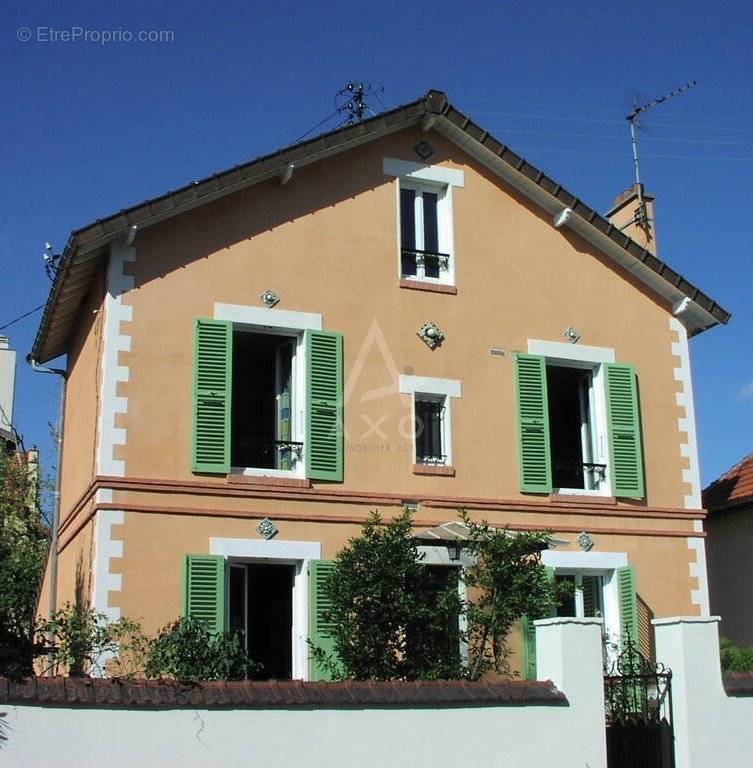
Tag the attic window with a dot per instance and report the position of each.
(425, 227)
(424, 243)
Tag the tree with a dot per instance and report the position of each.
(389, 621)
(506, 582)
(394, 618)
(23, 547)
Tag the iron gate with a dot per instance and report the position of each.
(638, 701)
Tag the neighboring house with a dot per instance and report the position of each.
(729, 500)
(249, 356)
(10, 442)
(8, 438)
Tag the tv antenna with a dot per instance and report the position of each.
(51, 261)
(351, 99)
(641, 216)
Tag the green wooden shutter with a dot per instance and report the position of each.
(529, 648)
(534, 452)
(324, 406)
(627, 602)
(623, 417)
(320, 635)
(204, 590)
(529, 638)
(212, 393)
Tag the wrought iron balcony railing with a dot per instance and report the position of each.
(572, 474)
(431, 261)
(433, 461)
(265, 454)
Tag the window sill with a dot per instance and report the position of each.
(425, 285)
(431, 469)
(292, 482)
(580, 498)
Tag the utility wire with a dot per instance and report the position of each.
(622, 154)
(620, 138)
(594, 108)
(526, 115)
(318, 125)
(21, 317)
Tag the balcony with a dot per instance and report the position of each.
(424, 264)
(262, 453)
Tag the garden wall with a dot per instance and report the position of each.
(713, 716)
(515, 724)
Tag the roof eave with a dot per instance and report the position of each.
(435, 112)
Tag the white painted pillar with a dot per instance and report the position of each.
(568, 652)
(689, 646)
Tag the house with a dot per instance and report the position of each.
(729, 500)
(8, 439)
(399, 312)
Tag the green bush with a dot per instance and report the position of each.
(23, 548)
(393, 618)
(735, 658)
(79, 641)
(389, 623)
(187, 650)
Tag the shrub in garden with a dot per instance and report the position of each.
(187, 650)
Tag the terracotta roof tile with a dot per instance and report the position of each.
(735, 486)
(169, 694)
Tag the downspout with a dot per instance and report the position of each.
(58, 474)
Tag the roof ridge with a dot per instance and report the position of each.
(89, 241)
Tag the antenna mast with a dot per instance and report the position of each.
(351, 99)
(631, 117)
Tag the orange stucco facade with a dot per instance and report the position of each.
(327, 243)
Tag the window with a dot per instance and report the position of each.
(424, 211)
(265, 433)
(432, 430)
(574, 428)
(432, 446)
(267, 401)
(432, 434)
(578, 422)
(260, 607)
(443, 642)
(424, 245)
(584, 599)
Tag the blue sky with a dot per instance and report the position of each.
(88, 128)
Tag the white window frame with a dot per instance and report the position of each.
(591, 359)
(278, 551)
(443, 390)
(604, 564)
(444, 230)
(445, 428)
(427, 178)
(282, 323)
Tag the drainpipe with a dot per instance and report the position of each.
(56, 495)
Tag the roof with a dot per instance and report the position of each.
(734, 487)
(86, 247)
(114, 693)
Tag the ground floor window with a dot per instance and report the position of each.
(260, 606)
(584, 599)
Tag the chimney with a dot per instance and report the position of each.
(7, 383)
(632, 212)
